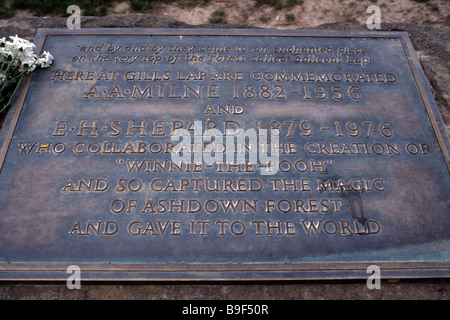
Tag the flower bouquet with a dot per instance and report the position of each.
(17, 58)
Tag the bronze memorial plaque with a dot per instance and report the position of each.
(157, 154)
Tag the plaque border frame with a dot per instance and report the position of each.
(17, 271)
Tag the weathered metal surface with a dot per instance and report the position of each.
(87, 175)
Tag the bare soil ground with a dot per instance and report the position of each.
(309, 13)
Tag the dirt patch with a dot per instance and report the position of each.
(307, 13)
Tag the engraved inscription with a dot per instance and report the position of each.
(207, 149)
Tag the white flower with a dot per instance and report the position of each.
(21, 44)
(20, 51)
(2, 54)
(27, 59)
(27, 64)
(17, 57)
(45, 60)
(20, 54)
(2, 44)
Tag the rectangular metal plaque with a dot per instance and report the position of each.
(224, 155)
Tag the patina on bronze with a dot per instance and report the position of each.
(359, 175)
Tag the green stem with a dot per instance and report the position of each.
(12, 80)
(13, 94)
(7, 71)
